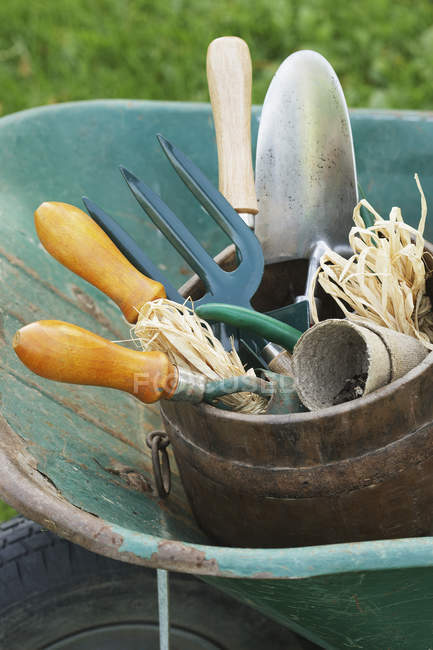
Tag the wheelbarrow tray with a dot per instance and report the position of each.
(74, 459)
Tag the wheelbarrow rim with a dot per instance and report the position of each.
(37, 497)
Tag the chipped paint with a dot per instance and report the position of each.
(282, 564)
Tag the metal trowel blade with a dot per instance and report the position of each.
(305, 165)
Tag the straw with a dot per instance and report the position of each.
(384, 282)
(190, 343)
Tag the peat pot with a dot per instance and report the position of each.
(358, 471)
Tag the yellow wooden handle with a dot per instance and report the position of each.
(229, 78)
(65, 352)
(77, 242)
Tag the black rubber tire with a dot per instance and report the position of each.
(51, 591)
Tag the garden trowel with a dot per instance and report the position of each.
(305, 165)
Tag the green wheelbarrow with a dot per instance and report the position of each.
(75, 459)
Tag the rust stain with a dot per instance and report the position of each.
(105, 532)
(172, 553)
(130, 475)
(16, 262)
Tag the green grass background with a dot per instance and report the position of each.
(62, 50)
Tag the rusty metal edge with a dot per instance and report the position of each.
(28, 491)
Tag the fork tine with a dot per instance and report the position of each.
(175, 231)
(129, 248)
(251, 255)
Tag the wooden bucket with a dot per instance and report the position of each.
(362, 470)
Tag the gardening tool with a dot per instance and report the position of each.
(128, 247)
(257, 350)
(239, 285)
(218, 282)
(229, 76)
(200, 186)
(64, 352)
(75, 240)
(262, 325)
(305, 166)
(78, 243)
(141, 261)
(335, 360)
(269, 338)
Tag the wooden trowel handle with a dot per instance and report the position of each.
(229, 79)
(77, 242)
(65, 352)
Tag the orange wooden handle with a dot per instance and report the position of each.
(229, 79)
(77, 242)
(65, 352)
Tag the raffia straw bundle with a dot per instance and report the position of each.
(384, 281)
(190, 343)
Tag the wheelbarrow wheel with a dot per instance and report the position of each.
(55, 595)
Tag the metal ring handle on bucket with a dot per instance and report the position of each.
(158, 441)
